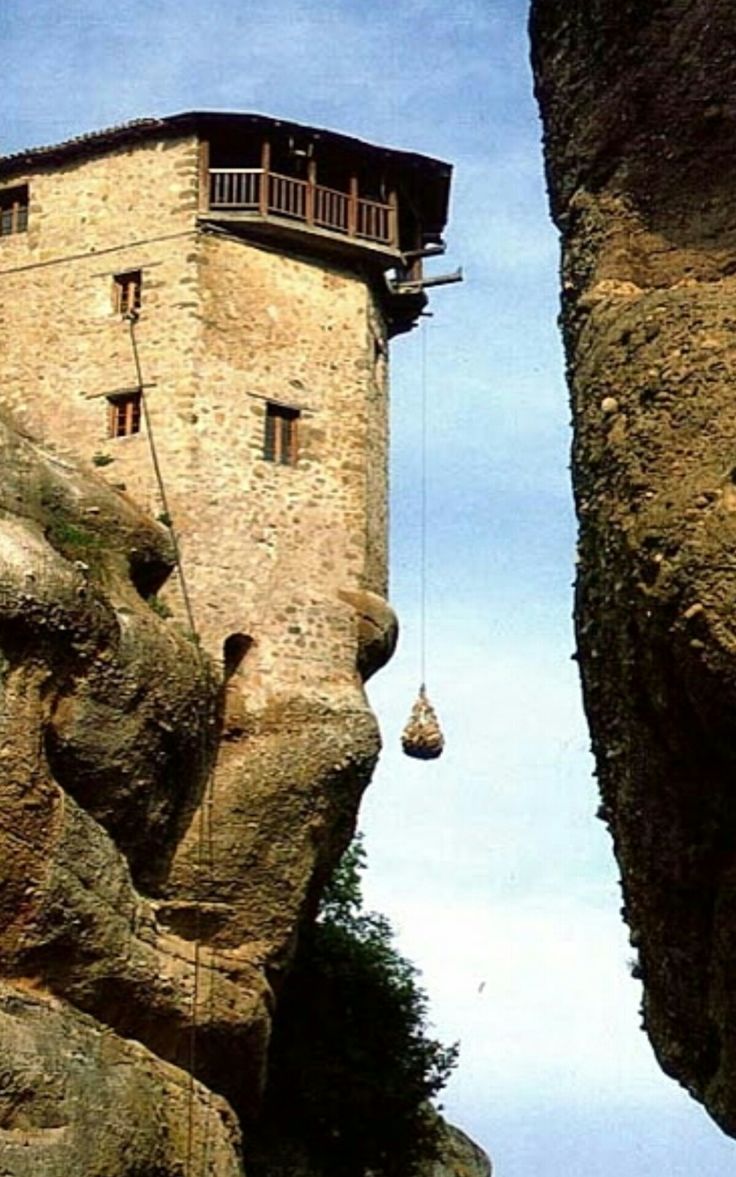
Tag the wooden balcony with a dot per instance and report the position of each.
(266, 194)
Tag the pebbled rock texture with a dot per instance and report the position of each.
(77, 1099)
(134, 901)
(459, 1157)
(638, 101)
(108, 726)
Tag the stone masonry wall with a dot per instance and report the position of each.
(225, 326)
(63, 347)
(275, 544)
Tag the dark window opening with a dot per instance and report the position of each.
(290, 158)
(126, 291)
(124, 414)
(14, 210)
(372, 184)
(148, 572)
(280, 440)
(234, 651)
(245, 153)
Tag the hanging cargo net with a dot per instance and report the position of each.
(422, 737)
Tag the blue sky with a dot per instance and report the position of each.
(490, 862)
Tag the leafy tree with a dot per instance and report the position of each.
(352, 1064)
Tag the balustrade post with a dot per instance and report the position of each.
(311, 191)
(263, 201)
(393, 219)
(353, 207)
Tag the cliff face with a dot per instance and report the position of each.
(111, 724)
(638, 107)
(108, 729)
(125, 1016)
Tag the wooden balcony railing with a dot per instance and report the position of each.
(259, 191)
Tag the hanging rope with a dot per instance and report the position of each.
(422, 736)
(132, 317)
(423, 519)
(204, 819)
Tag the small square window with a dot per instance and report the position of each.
(280, 439)
(124, 414)
(13, 210)
(126, 291)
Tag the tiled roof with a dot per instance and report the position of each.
(95, 139)
(428, 179)
(189, 122)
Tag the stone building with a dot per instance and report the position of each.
(258, 268)
(255, 253)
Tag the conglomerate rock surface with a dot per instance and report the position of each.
(76, 1099)
(639, 107)
(126, 958)
(143, 919)
(459, 1156)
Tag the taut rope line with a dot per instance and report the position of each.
(423, 520)
(422, 736)
(204, 820)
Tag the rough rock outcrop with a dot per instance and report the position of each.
(639, 112)
(143, 920)
(459, 1156)
(456, 1156)
(75, 1098)
(108, 724)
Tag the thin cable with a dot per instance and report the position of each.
(423, 518)
(132, 320)
(204, 819)
(76, 257)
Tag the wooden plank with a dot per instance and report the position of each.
(265, 177)
(393, 219)
(311, 188)
(353, 206)
(204, 176)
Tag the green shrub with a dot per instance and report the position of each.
(73, 541)
(352, 1064)
(159, 607)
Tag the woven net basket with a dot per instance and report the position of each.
(422, 737)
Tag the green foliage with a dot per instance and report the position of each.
(159, 607)
(101, 459)
(353, 1066)
(73, 541)
(342, 900)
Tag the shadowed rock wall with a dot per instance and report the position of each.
(638, 104)
(111, 720)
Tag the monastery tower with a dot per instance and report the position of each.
(257, 269)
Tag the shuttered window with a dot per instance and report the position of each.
(13, 210)
(280, 443)
(124, 414)
(127, 290)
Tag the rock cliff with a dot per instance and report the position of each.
(638, 107)
(137, 987)
(109, 724)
